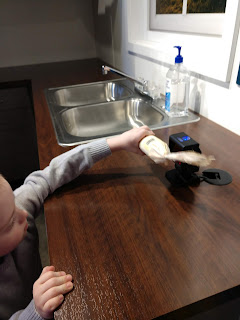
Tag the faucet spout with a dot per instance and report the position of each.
(142, 85)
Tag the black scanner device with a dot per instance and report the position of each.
(185, 174)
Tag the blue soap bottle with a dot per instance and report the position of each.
(177, 88)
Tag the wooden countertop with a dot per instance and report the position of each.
(137, 247)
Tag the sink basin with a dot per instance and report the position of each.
(110, 118)
(87, 112)
(90, 93)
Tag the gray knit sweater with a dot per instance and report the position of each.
(22, 267)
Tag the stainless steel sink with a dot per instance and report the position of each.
(91, 93)
(87, 112)
(110, 118)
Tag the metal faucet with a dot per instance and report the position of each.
(142, 85)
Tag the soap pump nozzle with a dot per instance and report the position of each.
(178, 58)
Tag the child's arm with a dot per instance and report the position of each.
(69, 165)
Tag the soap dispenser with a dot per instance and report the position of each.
(177, 88)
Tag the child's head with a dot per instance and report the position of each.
(13, 221)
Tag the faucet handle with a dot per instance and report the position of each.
(142, 85)
(145, 85)
(105, 70)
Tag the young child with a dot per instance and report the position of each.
(26, 291)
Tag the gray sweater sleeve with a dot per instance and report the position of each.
(61, 170)
(28, 313)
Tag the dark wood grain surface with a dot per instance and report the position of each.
(137, 247)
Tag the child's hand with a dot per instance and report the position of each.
(129, 140)
(49, 289)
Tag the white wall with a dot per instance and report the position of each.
(215, 102)
(45, 31)
(58, 30)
